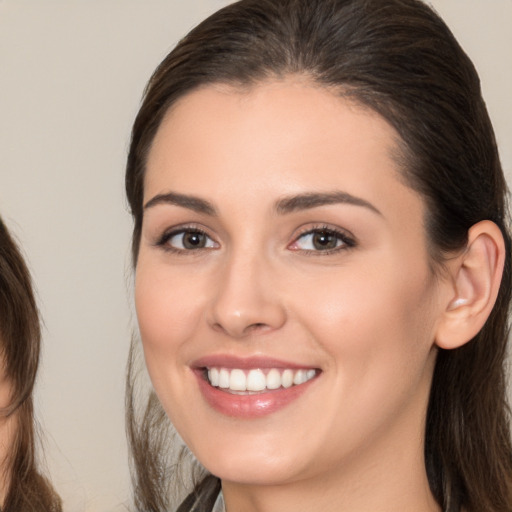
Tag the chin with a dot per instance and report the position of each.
(257, 467)
(249, 473)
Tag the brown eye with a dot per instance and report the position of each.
(188, 240)
(323, 240)
(194, 240)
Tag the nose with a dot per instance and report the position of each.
(246, 299)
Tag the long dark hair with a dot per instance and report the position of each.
(398, 58)
(20, 338)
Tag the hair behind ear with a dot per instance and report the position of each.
(468, 414)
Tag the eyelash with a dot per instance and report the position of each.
(347, 241)
(163, 241)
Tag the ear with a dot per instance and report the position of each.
(475, 282)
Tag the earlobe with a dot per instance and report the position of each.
(476, 276)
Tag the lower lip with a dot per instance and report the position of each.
(249, 406)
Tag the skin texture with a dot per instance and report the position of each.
(365, 315)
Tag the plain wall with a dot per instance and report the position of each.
(71, 77)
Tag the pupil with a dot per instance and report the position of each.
(194, 240)
(324, 240)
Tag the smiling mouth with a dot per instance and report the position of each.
(238, 381)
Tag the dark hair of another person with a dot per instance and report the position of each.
(20, 338)
(399, 59)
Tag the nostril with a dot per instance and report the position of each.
(241, 320)
(218, 327)
(256, 327)
(244, 331)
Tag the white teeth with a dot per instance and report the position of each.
(237, 380)
(287, 379)
(300, 377)
(256, 380)
(223, 378)
(273, 379)
(213, 376)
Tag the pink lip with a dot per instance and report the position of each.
(244, 363)
(247, 406)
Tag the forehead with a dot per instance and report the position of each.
(291, 106)
(278, 137)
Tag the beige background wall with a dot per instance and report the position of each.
(71, 76)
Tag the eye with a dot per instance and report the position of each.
(187, 240)
(322, 239)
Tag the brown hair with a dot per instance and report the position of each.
(20, 339)
(398, 58)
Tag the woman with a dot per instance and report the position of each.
(22, 487)
(322, 265)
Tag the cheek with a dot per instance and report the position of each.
(377, 330)
(379, 316)
(167, 309)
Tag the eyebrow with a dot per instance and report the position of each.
(283, 206)
(314, 200)
(185, 201)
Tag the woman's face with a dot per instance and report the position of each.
(280, 244)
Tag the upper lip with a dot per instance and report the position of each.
(245, 363)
